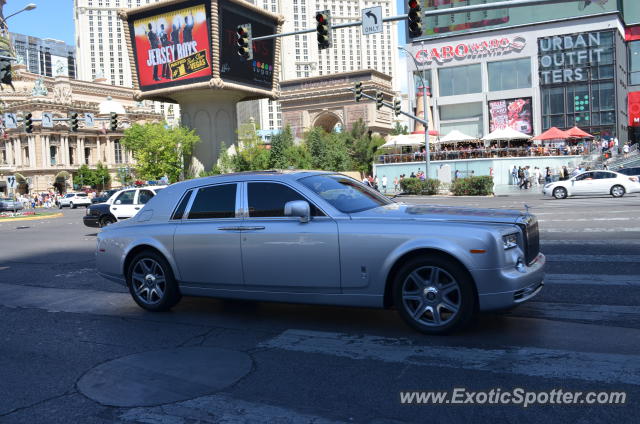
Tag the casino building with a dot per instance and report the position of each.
(529, 68)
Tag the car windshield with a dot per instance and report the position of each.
(344, 193)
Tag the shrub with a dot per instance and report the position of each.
(472, 186)
(417, 186)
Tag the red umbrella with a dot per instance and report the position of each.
(576, 132)
(552, 133)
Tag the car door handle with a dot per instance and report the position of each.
(137, 209)
(115, 209)
(251, 228)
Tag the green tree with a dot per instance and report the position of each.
(159, 150)
(84, 176)
(281, 145)
(362, 147)
(102, 176)
(399, 129)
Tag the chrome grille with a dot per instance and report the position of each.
(531, 240)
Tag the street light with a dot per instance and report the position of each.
(30, 6)
(423, 75)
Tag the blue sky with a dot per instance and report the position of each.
(51, 19)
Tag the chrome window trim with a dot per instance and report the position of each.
(277, 218)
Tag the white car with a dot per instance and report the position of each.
(126, 203)
(73, 200)
(593, 183)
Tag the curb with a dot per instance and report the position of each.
(31, 218)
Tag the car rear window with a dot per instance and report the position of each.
(214, 202)
(81, 195)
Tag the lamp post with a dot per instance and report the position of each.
(30, 6)
(422, 75)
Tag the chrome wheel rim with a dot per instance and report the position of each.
(617, 191)
(148, 280)
(431, 296)
(561, 192)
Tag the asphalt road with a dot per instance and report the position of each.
(75, 347)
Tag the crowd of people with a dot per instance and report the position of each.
(48, 199)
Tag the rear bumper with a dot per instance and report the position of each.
(509, 287)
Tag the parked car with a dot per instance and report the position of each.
(9, 204)
(104, 196)
(593, 183)
(122, 204)
(319, 237)
(631, 172)
(73, 200)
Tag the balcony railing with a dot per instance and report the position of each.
(478, 153)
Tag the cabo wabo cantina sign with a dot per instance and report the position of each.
(566, 58)
(471, 50)
(172, 48)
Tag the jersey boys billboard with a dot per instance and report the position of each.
(172, 48)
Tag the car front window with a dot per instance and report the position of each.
(126, 197)
(344, 193)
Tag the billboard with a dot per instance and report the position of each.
(172, 46)
(443, 25)
(512, 113)
(259, 71)
(634, 108)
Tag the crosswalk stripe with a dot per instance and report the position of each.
(578, 312)
(530, 361)
(594, 258)
(593, 279)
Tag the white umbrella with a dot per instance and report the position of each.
(404, 140)
(455, 136)
(507, 134)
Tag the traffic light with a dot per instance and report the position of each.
(245, 41)
(114, 121)
(414, 21)
(28, 122)
(358, 91)
(397, 108)
(323, 29)
(379, 100)
(73, 124)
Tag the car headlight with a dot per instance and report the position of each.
(88, 211)
(510, 241)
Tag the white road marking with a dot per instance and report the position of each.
(530, 361)
(593, 258)
(593, 280)
(591, 230)
(635, 218)
(603, 243)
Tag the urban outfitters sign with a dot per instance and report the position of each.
(567, 58)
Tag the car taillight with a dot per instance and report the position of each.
(634, 179)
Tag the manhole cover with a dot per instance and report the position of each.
(164, 376)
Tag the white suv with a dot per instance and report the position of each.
(73, 200)
(126, 203)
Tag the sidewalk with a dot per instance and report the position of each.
(513, 190)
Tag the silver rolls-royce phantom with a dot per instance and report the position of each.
(324, 238)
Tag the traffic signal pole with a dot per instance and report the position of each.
(390, 105)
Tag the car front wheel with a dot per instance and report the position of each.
(151, 282)
(106, 220)
(560, 193)
(617, 191)
(434, 296)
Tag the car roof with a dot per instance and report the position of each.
(275, 175)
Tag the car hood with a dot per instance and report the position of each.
(400, 211)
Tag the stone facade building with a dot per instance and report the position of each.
(47, 158)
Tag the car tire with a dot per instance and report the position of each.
(617, 190)
(434, 295)
(560, 193)
(107, 220)
(59, 205)
(72, 206)
(151, 282)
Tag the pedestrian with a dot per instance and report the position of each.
(514, 175)
(384, 183)
(365, 181)
(395, 184)
(521, 181)
(536, 176)
(625, 149)
(457, 174)
(412, 175)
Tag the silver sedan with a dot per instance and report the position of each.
(314, 237)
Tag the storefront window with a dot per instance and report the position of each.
(460, 80)
(634, 62)
(509, 74)
(466, 118)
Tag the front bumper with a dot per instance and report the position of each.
(504, 289)
(91, 221)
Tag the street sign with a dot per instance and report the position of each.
(11, 182)
(10, 120)
(371, 20)
(47, 120)
(88, 120)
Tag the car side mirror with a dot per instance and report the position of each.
(299, 208)
(118, 202)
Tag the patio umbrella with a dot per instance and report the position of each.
(406, 140)
(552, 133)
(455, 136)
(507, 134)
(576, 132)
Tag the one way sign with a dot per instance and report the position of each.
(371, 20)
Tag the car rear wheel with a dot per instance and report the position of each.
(433, 295)
(59, 205)
(617, 191)
(106, 220)
(151, 282)
(560, 193)
(72, 206)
